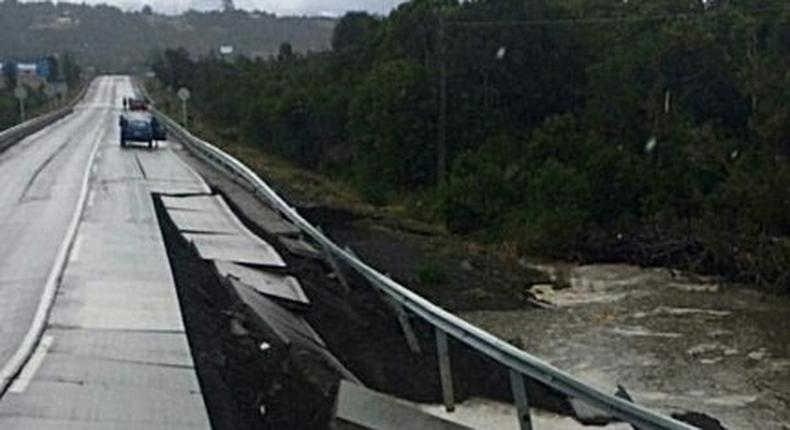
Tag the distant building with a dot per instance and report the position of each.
(32, 75)
(53, 22)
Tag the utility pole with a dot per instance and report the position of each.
(441, 142)
(184, 95)
(21, 94)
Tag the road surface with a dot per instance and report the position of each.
(114, 353)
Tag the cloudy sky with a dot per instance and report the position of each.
(280, 7)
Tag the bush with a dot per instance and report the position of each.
(431, 274)
(555, 209)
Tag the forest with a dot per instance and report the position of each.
(112, 40)
(653, 132)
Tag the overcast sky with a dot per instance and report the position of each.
(280, 7)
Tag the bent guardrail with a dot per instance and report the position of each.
(518, 362)
(18, 132)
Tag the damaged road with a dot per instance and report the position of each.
(266, 359)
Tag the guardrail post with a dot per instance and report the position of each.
(341, 277)
(445, 372)
(519, 389)
(405, 324)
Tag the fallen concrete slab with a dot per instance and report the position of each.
(285, 327)
(370, 409)
(211, 226)
(274, 224)
(301, 248)
(267, 283)
(235, 248)
(197, 203)
(590, 415)
(202, 222)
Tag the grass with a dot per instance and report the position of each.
(429, 273)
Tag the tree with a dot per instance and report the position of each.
(353, 31)
(286, 51)
(392, 125)
(147, 10)
(174, 67)
(9, 74)
(72, 73)
(54, 68)
(411, 30)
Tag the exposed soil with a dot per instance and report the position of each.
(363, 332)
(244, 387)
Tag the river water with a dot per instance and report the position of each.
(676, 343)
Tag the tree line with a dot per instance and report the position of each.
(112, 40)
(652, 132)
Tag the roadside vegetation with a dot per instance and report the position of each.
(64, 68)
(648, 132)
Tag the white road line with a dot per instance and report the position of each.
(36, 331)
(91, 198)
(29, 371)
(75, 249)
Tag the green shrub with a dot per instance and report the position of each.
(430, 273)
(555, 208)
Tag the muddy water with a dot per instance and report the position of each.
(674, 342)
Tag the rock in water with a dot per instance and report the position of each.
(700, 420)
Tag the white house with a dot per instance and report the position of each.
(27, 75)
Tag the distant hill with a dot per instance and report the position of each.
(113, 40)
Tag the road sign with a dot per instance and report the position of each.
(184, 94)
(20, 93)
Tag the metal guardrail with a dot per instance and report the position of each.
(18, 132)
(520, 363)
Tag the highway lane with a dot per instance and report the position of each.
(40, 182)
(114, 353)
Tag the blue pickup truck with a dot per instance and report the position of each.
(140, 126)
